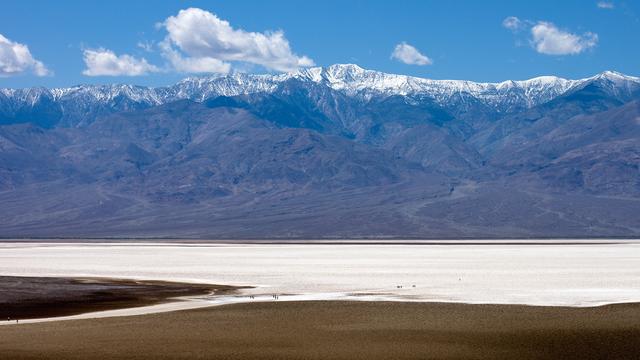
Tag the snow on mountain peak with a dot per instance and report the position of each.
(350, 79)
(615, 76)
(355, 80)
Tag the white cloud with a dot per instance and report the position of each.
(512, 23)
(605, 5)
(187, 64)
(199, 41)
(548, 39)
(408, 54)
(103, 62)
(15, 58)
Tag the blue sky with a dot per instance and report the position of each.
(154, 43)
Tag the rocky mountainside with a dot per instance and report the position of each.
(323, 152)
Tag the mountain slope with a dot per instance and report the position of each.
(324, 152)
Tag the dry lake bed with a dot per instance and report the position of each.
(485, 299)
(559, 273)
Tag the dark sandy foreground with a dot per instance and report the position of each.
(38, 297)
(339, 330)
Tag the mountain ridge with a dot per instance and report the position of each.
(350, 79)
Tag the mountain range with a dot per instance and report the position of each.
(329, 152)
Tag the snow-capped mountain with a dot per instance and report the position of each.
(356, 81)
(323, 152)
(80, 105)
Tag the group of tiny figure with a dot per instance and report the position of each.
(274, 297)
(400, 286)
(9, 319)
